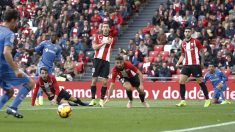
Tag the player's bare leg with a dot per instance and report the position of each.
(183, 79)
(103, 91)
(142, 97)
(204, 90)
(93, 91)
(128, 86)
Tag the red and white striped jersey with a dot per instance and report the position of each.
(128, 71)
(104, 51)
(191, 50)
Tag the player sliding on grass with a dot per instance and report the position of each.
(50, 86)
(218, 80)
(191, 48)
(129, 76)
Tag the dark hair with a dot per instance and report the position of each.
(189, 28)
(10, 14)
(54, 36)
(43, 69)
(119, 58)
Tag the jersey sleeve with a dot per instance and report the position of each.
(206, 77)
(96, 39)
(223, 76)
(181, 47)
(58, 54)
(9, 40)
(198, 44)
(55, 86)
(113, 75)
(130, 66)
(34, 95)
(40, 47)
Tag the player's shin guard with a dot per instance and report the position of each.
(129, 94)
(103, 92)
(20, 96)
(3, 99)
(182, 91)
(204, 89)
(93, 92)
(142, 96)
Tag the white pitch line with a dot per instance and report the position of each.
(202, 127)
(80, 108)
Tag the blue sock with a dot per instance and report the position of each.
(3, 99)
(19, 98)
(220, 101)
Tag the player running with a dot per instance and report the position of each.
(10, 74)
(218, 80)
(50, 53)
(50, 86)
(130, 77)
(102, 45)
(190, 49)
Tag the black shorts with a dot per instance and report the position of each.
(134, 81)
(62, 95)
(195, 70)
(100, 68)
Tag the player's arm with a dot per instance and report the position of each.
(112, 85)
(29, 50)
(56, 88)
(35, 93)
(180, 60)
(8, 44)
(95, 44)
(202, 54)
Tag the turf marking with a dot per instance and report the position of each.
(202, 127)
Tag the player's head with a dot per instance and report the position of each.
(211, 67)
(10, 18)
(54, 37)
(188, 33)
(119, 62)
(105, 28)
(44, 73)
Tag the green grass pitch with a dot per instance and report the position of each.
(115, 117)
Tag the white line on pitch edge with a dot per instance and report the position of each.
(202, 127)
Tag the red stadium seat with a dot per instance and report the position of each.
(158, 47)
(227, 72)
(165, 58)
(150, 59)
(204, 71)
(165, 53)
(153, 53)
(79, 67)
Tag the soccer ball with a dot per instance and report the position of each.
(64, 110)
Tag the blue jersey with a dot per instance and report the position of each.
(6, 39)
(216, 78)
(50, 52)
(8, 78)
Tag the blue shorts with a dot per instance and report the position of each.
(218, 93)
(40, 65)
(8, 80)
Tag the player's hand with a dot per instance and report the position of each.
(220, 85)
(18, 73)
(177, 65)
(53, 102)
(110, 40)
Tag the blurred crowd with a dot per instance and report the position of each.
(155, 48)
(76, 21)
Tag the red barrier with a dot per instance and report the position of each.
(153, 90)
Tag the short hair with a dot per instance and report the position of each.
(10, 14)
(189, 28)
(119, 58)
(43, 69)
